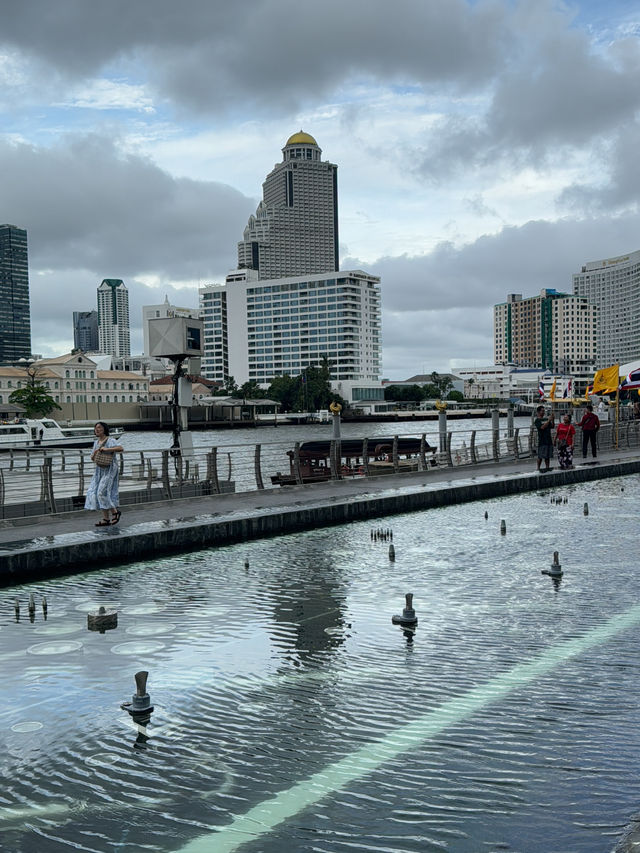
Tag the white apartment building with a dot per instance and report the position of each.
(257, 329)
(113, 317)
(554, 331)
(613, 285)
(166, 309)
(294, 230)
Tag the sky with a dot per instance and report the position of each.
(484, 147)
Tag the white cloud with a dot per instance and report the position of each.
(110, 95)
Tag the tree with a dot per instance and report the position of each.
(285, 390)
(442, 383)
(316, 386)
(431, 392)
(229, 388)
(457, 396)
(307, 392)
(250, 390)
(35, 399)
(404, 393)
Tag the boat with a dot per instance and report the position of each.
(41, 433)
(315, 459)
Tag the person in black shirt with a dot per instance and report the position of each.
(544, 426)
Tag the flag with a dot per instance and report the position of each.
(632, 380)
(552, 392)
(541, 389)
(587, 392)
(606, 379)
(568, 389)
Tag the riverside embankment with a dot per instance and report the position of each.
(46, 546)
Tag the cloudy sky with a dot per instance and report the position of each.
(484, 147)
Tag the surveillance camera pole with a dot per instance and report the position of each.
(175, 447)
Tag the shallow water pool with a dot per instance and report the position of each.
(290, 714)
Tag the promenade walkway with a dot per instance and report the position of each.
(45, 546)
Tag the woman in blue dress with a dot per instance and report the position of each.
(103, 489)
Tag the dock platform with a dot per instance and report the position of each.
(62, 543)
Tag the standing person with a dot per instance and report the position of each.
(590, 424)
(103, 489)
(545, 443)
(564, 441)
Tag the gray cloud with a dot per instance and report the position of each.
(555, 92)
(56, 294)
(93, 213)
(266, 52)
(421, 341)
(439, 306)
(515, 260)
(86, 206)
(617, 189)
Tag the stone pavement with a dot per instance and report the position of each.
(48, 545)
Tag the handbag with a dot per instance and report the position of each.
(103, 459)
(562, 443)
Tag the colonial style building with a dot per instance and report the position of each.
(75, 378)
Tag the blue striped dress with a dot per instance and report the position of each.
(103, 488)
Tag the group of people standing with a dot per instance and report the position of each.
(564, 437)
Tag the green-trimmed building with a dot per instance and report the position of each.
(113, 318)
(554, 331)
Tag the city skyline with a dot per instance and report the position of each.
(484, 148)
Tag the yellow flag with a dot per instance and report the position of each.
(552, 392)
(606, 378)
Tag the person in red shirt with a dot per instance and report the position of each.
(590, 425)
(564, 441)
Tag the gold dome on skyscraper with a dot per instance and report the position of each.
(301, 138)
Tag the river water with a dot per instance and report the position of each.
(291, 714)
(291, 433)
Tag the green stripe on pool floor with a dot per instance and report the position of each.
(267, 815)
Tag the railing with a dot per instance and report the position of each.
(36, 482)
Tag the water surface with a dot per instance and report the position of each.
(269, 674)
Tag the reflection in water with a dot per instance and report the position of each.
(308, 606)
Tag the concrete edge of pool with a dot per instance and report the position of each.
(37, 550)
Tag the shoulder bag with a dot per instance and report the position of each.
(103, 459)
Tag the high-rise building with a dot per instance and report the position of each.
(555, 331)
(287, 306)
(113, 317)
(295, 229)
(85, 331)
(613, 285)
(166, 309)
(15, 319)
(256, 329)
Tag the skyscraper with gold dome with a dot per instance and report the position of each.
(294, 230)
(288, 306)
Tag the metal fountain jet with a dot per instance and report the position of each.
(140, 709)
